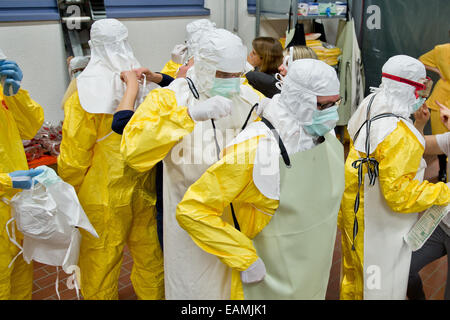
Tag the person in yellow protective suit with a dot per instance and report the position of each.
(287, 217)
(20, 118)
(119, 202)
(438, 61)
(182, 53)
(184, 124)
(75, 66)
(384, 185)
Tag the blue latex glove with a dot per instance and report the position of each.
(13, 76)
(23, 179)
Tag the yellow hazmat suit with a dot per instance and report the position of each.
(250, 176)
(162, 129)
(171, 68)
(439, 58)
(402, 194)
(377, 267)
(200, 212)
(119, 202)
(20, 118)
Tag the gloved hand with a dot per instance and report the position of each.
(179, 53)
(22, 179)
(255, 273)
(11, 76)
(214, 108)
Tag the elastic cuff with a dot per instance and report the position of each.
(166, 80)
(120, 120)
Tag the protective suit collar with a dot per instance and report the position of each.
(99, 85)
(391, 97)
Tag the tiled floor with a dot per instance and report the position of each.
(434, 275)
(45, 278)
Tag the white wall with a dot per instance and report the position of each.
(38, 47)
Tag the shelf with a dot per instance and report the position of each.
(320, 17)
(286, 16)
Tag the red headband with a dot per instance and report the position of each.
(417, 85)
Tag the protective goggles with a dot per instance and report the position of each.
(423, 88)
(323, 106)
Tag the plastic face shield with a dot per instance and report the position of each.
(425, 93)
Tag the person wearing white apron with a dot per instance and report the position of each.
(185, 125)
(280, 245)
(384, 187)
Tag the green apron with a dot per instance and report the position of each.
(297, 245)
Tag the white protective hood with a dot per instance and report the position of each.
(293, 108)
(99, 86)
(194, 31)
(79, 62)
(391, 97)
(288, 112)
(218, 49)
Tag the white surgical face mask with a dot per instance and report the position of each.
(419, 102)
(226, 87)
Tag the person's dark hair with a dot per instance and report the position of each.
(271, 53)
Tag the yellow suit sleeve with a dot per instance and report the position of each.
(429, 58)
(79, 134)
(403, 193)
(27, 113)
(5, 183)
(200, 211)
(171, 69)
(157, 125)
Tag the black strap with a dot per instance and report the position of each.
(197, 96)
(377, 117)
(236, 223)
(215, 139)
(371, 163)
(249, 116)
(284, 153)
(193, 88)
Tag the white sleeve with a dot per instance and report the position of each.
(443, 141)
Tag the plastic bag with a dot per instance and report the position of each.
(46, 142)
(49, 216)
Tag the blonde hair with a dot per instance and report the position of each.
(271, 53)
(301, 52)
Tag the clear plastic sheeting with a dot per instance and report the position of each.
(46, 142)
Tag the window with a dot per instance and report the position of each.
(28, 10)
(251, 6)
(154, 8)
